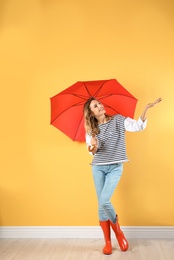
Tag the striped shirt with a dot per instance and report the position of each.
(111, 139)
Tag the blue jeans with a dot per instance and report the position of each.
(106, 178)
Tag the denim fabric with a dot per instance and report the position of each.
(106, 178)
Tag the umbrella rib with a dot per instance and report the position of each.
(80, 96)
(66, 110)
(87, 90)
(90, 95)
(77, 95)
(116, 95)
(96, 93)
(110, 107)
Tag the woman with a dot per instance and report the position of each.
(105, 138)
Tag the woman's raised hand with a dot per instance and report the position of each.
(154, 103)
(143, 116)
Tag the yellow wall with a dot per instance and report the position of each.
(46, 46)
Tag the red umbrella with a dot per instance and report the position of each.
(67, 106)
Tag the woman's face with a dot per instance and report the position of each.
(97, 108)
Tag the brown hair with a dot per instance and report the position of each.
(91, 123)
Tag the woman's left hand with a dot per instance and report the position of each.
(143, 116)
(154, 103)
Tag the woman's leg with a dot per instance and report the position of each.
(122, 241)
(106, 178)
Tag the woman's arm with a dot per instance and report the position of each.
(133, 125)
(143, 115)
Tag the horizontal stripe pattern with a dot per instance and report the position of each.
(112, 145)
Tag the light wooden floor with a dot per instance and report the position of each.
(83, 249)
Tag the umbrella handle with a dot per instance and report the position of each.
(90, 149)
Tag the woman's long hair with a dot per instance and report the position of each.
(91, 123)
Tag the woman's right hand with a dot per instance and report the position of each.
(94, 144)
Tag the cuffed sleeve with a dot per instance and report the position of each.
(133, 125)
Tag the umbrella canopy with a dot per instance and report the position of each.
(67, 106)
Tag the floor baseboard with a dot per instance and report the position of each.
(148, 232)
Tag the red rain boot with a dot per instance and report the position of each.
(105, 225)
(119, 235)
